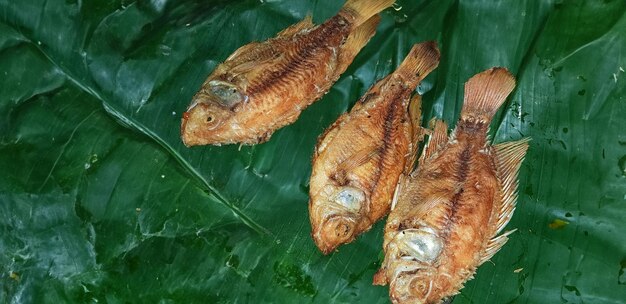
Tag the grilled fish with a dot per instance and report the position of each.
(357, 161)
(264, 86)
(451, 209)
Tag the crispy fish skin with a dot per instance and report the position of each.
(451, 208)
(358, 160)
(265, 85)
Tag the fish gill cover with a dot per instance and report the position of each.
(100, 201)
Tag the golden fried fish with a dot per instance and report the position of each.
(450, 210)
(358, 160)
(264, 86)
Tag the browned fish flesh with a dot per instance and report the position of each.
(357, 161)
(450, 210)
(264, 86)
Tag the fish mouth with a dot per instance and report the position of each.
(335, 230)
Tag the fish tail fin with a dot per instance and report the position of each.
(421, 60)
(485, 92)
(356, 41)
(362, 10)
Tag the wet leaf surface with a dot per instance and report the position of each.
(100, 201)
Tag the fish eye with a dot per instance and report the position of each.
(226, 93)
(209, 119)
(350, 198)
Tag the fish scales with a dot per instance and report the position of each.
(263, 86)
(358, 160)
(451, 208)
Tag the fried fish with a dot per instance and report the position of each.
(357, 161)
(450, 210)
(264, 86)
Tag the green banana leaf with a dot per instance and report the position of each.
(101, 203)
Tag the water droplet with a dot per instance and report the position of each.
(233, 261)
(93, 159)
(622, 165)
(173, 113)
(397, 6)
(165, 50)
(87, 166)
(402, 18)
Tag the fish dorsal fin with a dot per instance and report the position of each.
(438, 138)
(305, 24)
(493, 246)
(417, 132)
(251, 56)
(508, 159)
(355, 42)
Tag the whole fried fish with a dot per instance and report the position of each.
(264, 86)
(358, 160)
(450, 210)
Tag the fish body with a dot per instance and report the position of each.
(263, 86)
(450, 210)
(358, 160)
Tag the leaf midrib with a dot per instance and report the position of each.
(119, 116)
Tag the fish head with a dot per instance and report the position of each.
(211, 111)
(335, 216)
(413, 272)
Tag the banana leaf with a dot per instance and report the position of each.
(100, 202)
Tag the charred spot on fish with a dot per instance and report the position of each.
(209, 119)
(226, 94)
(464, 160)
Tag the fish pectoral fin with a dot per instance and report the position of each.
(494, 245)
(508, 159)
(358, 158)
(417, 132)
(437, 140)
(305, 24)
(355, 42)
